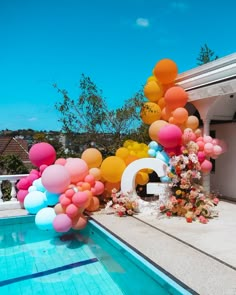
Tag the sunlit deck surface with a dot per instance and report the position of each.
(202, 256)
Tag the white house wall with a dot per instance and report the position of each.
(223, 179)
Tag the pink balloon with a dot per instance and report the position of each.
(64, 201)
(24, 183)
(207, 138)
(170, 136)
(72, 211)
(98, 188)
(62, 223)
(206, 166)
(42, 153)
(77, 169)
(217, 150)
(201, 145)
(201, 156)
(208, 147)
(80, 223)
(55, 178)
(80, 199)
(90, 179)
(60, 161)
(21, 195)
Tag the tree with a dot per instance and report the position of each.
(206, 55)
(89, 114)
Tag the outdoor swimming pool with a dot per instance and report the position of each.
(91, 261)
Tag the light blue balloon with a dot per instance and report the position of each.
(152, 153)
(155, 146)
(32, 188)
(44, 218)
(34, 201)
(39, 185)
(51, 198)
(165, 179)
(162, 155)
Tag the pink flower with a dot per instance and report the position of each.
(216, 201)
(202, 219)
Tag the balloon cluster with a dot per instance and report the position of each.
(171, 126)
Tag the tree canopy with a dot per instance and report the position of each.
(206, 55)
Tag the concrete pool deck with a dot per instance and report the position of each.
(202, 256)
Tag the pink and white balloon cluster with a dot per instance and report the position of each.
(60, 191)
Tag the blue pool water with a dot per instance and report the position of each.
(91, 261)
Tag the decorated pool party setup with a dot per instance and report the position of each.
(84, 226)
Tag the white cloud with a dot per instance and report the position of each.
(142, 22)
(32, 119)
(179, 5)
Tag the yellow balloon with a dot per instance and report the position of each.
(153, 91)
(112, 169)
(150, 112)
(122, 152)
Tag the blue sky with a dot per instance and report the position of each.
(115, 42)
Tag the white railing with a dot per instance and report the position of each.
(12, 203)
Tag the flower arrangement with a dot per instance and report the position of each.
(122, 204)
(188, 199)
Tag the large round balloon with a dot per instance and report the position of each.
(166, 71)
(155, 128)
(34, 202)
(153, 91)
(150, 112)
(170, 136)
(62, 223)
(180, 115)
(176, 97)
(55, 178)
(77, 169)
(42, 153)
(112, 168)
(192, 122)
(92, 157)
(44, 218)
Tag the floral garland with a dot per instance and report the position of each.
(122, 204)
(188, 199)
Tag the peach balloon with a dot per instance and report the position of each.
(166, 113)
(110, 186)
(192, 122)
(77, 168)
(176, 97)
(161, 102)
(180, 115)
(166, 71)
(92, 157)
(96, 172)
(150, 112)
(59, 209)
(80, 222)
(94, 204)
(154, 129)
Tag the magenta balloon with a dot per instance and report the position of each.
(201, 156)
(170, 136)
(55, 178)
(21, 195)
(42, 153)
(77, 169)
(62, 223)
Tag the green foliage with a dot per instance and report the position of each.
(206, 55)
(12, 164)
(89, 114)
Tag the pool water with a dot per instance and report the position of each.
(90, 261)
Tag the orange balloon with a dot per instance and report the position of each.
(142, 178)
(180, 115)
(162, 102)
(94, 204)
(166, 113)
(192, 122)
(150, 112)
(153, 91)
(176, 97)
(166, 71)
(155, 128)
(165, 87)
(92, 157)
(110, 186)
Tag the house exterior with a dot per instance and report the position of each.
(212, 92)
